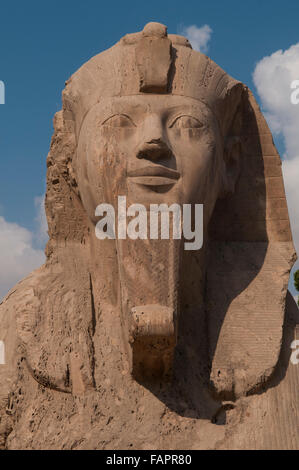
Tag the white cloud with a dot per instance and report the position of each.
(18, 255)
(198, 37)
(272, 77)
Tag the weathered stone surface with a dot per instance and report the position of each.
(121, 344)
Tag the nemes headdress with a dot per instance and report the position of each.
(150, 62)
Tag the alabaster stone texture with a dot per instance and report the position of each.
(140, 344)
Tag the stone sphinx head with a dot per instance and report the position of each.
(157, 122)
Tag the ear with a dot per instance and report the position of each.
(231, 159)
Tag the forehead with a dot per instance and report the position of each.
(141, 104)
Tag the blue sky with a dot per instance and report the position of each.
(43, 43)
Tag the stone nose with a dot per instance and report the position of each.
(153, 145)
(154, 150)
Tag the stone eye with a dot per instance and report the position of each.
(186, 122)
(119, 120)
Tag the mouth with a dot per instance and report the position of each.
(154, 176)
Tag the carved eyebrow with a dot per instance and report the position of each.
(174, 119)
(118, 114)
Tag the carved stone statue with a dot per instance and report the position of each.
(121, 343)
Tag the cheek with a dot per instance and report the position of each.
(197, 158)
(112, 146)
(107, 156)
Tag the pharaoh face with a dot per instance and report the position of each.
(151, 148)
